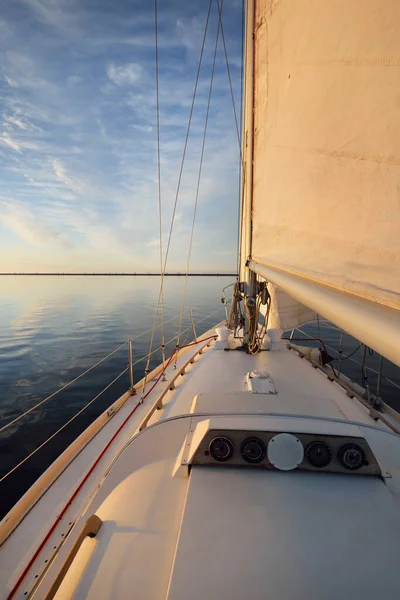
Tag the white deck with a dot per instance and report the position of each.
(221, 532)
(274, 536)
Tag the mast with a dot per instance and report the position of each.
(248, 145)
(247, 275)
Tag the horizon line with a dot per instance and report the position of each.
(119, 274)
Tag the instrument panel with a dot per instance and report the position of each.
(287, 451)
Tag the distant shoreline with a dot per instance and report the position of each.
(123, 274)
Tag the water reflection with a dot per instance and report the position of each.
(52, 329)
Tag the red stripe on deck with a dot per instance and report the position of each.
(94, 465)
(64, 510)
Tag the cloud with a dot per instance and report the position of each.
(52, 13)
(7, 140)
(69, 181)
(10, 81)
(128, 74)
(145, 128)
(10, 120)
(29, 228)
(74, 79)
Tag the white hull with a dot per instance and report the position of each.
(222, 531)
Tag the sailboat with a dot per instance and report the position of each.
(243, 466)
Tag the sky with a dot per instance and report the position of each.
(78, 135)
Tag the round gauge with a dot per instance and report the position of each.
(319, 454)
(221, 449)
(252, 450)
(352, 456)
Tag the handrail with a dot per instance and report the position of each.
(171, 385)
(374, 413)
(351, 359)
(90, 529)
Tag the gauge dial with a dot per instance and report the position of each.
(252, 450)
(319, 454)
(352, 456)
(221, 449)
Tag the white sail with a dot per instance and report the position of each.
(326, 195)
(286, 312)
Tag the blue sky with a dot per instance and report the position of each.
(78, 161)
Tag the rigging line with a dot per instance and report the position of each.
(63, 426)
(321, 341)
(181, 169)
(242, 165)
(198, 180)
(159, 347)
(187, 136)
(363, 349)
(160, 303)
(19, 417)
(230, 80)
(351, 353)
(61, 388)
(353, 360)
(241, 170)
(175, 351)
(190, 328)
(330, 326)
(177, 347)
(159, 178)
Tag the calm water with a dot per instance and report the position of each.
(53, 328)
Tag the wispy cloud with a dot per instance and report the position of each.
(57, 14)
(78, 133)
(73, 183)
(29, 228)
(10, 120)
(7, 140)
(128, 74)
